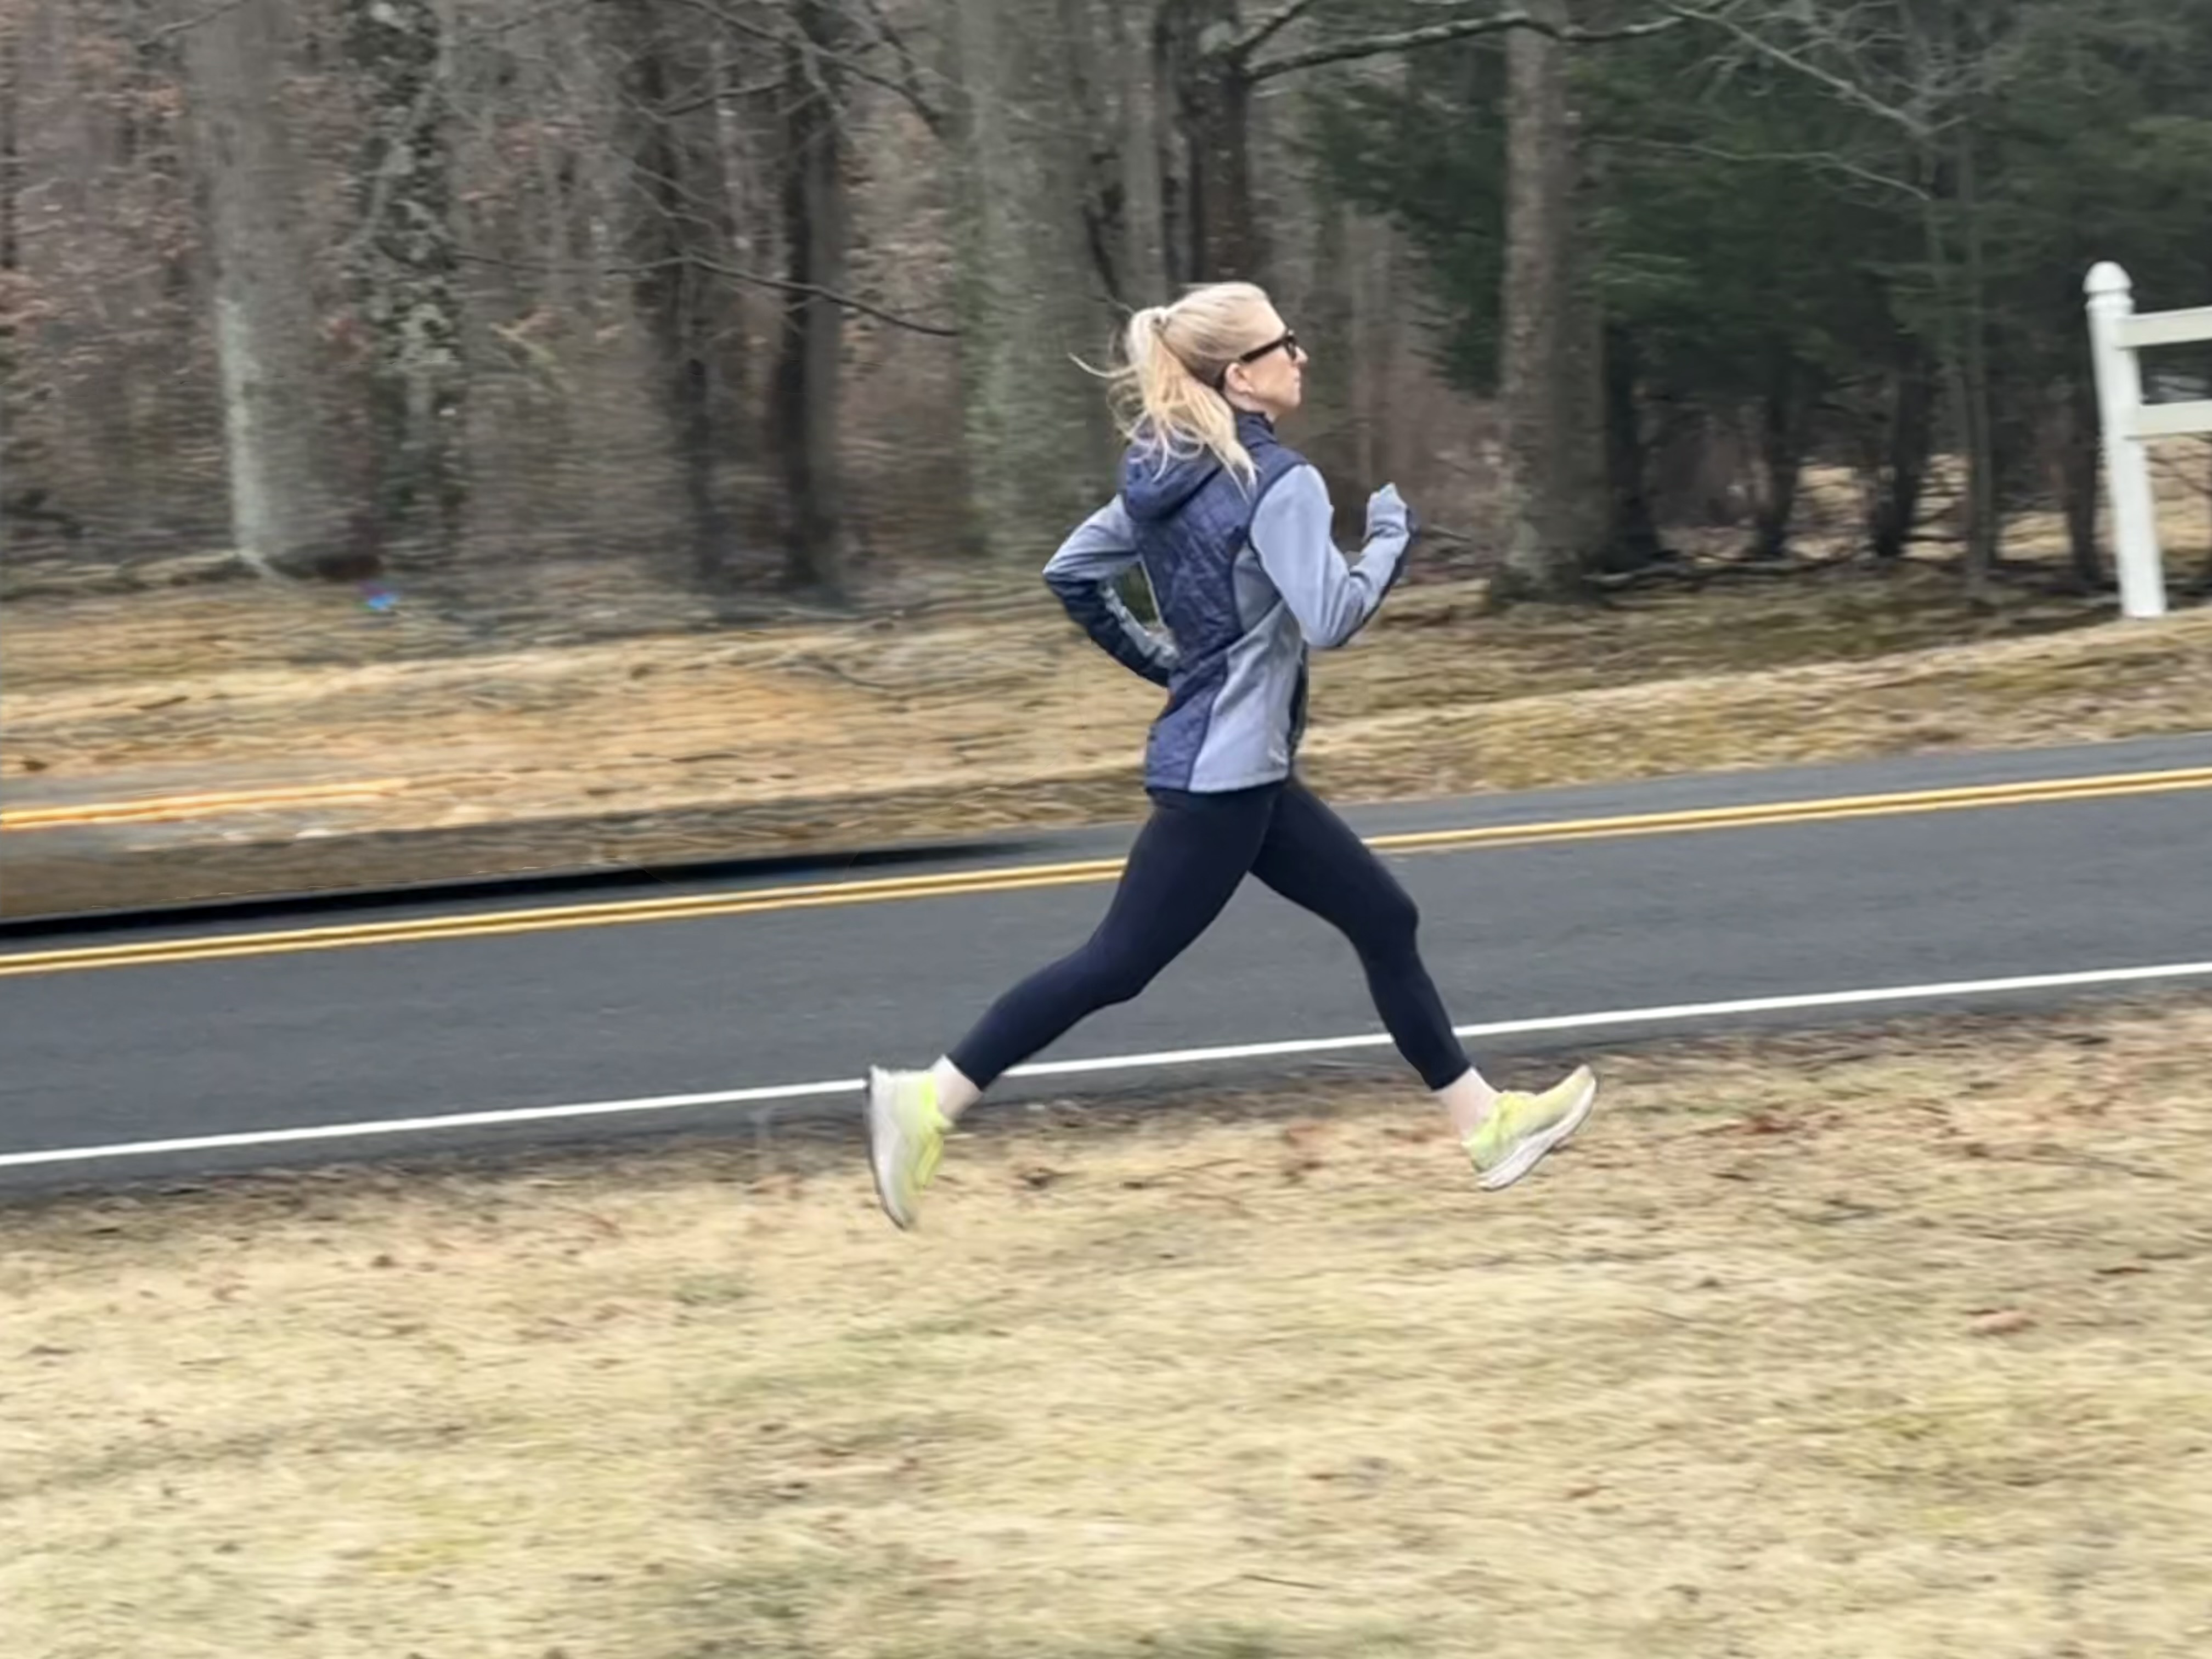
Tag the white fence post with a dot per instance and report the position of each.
(2127, 466)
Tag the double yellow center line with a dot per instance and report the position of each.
(1022, 878)
(178, 809)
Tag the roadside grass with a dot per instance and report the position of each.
(1884, 1341)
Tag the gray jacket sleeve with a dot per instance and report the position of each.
(1081, 575)
(1331, 597)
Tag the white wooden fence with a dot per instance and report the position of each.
(2116, 333)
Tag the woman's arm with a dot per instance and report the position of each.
(1332, 598)
(1082, 575)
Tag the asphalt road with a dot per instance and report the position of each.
(775, 991)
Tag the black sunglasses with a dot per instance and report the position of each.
(1287, 341)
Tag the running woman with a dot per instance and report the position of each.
(1233, 530)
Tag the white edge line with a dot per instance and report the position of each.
(1674, 1013)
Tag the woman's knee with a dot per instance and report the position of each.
(1110, 978)
(1390, 920)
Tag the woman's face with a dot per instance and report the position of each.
(1271, 379)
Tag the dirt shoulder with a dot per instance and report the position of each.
(1880, 1341)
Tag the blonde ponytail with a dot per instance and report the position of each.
(1173, 358)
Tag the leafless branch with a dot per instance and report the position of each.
(1240, 51)
(729, 273)
(1438, 34)
(185, 25)
(474, 31)
(935, 330)
(909, 90)
(1848, 90)
(909, 67)
(1818, 160)
(706, 99)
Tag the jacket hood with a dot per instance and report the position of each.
(1156, 486)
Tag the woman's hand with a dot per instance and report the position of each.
(1387, 515)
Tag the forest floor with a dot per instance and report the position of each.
(1884, 1341)
(581, 722)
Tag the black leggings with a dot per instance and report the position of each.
(1188, 860)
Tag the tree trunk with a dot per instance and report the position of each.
(1632, 537)
(405, 266)
(1965, 379)
(1038, 441)
(1782, 418)
(11, 263)
(1171, 47)
(1328, 422)
(1144, 258)
(1224, 225)
(2079, 458)
(682, 232)
(817, 232)
(1375, 314)
(281, 505)
(1984, 524)
(1584, 476)
(1902, 470)
(1103, 191)
(2205, 581)
(1213, 233)
(1933, 50)
(11, 155)
(14, 500)
(1549, 546)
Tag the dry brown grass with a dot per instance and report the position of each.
(2084, 685)
(813, 722)
(1888, 1343)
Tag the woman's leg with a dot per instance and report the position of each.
(1187, 862)
(1312, 858)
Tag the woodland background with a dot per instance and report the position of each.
(757, 295)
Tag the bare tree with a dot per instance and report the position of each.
(11, 151)
(1541, 558)
(1898, 469)
(282, 484)
(1203, 66)
(1553, 436)
(679, 232)
(1920, 71)
(817, 238)
(1140, 137)
(1037, 428)
(1212, 56)
(406, 272)
(11, 253)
